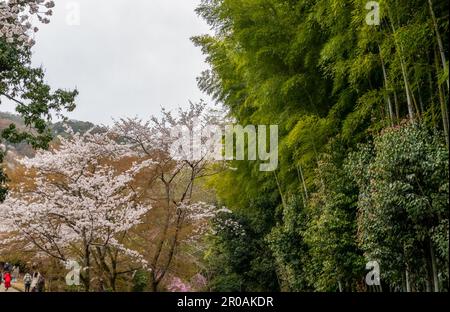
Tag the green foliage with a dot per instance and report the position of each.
(403, 204)
(140, 281)
(332, 82)
(291, 252)
(35, 102)
(331, 232)
(238, 258)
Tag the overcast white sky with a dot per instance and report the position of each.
(127, 57)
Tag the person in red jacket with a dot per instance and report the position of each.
(7, 279)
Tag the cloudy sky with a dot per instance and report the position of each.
(126, 57)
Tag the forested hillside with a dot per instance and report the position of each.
(362, 111)
(58, 128)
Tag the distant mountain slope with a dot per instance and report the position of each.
(6, 119)
(58, 128)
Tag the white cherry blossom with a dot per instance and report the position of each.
(79, 199)
(17, 18)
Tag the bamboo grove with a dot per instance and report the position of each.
(363, 124)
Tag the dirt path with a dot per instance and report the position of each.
(2, 289)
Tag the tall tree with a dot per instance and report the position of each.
(22, 84)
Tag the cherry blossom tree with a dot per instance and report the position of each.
(16, 19)
(175, 170)
(177, 285)
(79, 205)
